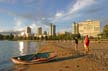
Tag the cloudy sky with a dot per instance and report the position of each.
(18, 14)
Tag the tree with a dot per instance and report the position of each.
(11, 36)
(1, 37)
(105, 30)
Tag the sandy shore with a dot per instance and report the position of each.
(70, 60)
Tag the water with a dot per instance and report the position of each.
(9, 49)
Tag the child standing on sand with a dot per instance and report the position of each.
(86, 44)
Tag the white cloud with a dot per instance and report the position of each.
(59, 14)
(43, 18)
(80, 4)
(36, 24)
(34, 27)
(18, 24)
(72, 10)
(1, 30)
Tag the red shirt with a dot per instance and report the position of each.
(86, 41)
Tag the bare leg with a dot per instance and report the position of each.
(86, 48)
(76, 47)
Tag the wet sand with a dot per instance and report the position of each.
(70, 60)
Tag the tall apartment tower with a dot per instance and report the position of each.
(52, 30)
(39, 31)
(28, 31)
(75, 28)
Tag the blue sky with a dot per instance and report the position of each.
(16, 15)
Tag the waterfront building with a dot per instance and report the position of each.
(75, 28)
(28, 31)
(89, 27)
(39, 31)
(52, 30)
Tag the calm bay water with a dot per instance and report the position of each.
(9, 49)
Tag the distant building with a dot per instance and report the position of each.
(63, 33)
(28, 31)
(52, 30)
(89, 27)
(75, 28)
(45, 33)
(39, 31)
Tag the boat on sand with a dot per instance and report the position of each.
(34, 58)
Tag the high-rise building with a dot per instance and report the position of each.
(45, 33)
(52, 30)
(39, 31)
(89, 27)
(28, 31)
(75, 28)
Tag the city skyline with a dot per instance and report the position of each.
(18, 14)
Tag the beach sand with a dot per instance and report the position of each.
(70, 60)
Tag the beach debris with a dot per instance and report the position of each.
(77, 66)
(67, 67)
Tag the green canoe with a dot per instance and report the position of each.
(34, 58)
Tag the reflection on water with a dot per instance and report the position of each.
(10, 49)
(23, 48)
(27, 47)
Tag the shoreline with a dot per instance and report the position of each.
(70, 60)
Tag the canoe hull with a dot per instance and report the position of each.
(39, 58)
